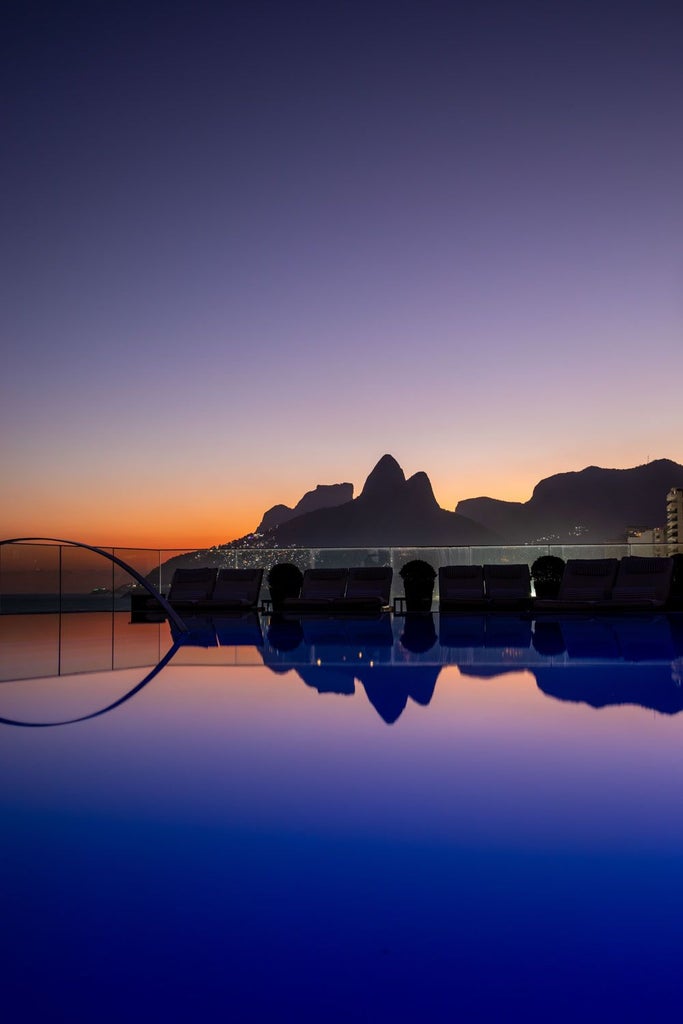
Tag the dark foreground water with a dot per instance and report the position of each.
(255, 836)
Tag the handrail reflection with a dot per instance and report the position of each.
(110, 707)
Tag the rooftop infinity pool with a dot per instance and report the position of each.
(470, 819)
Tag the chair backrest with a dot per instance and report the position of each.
(237, 585)
(647, 579)
(461, 582)
(509, 582)
(190, 585)
(588, 579)
(324, 584)
(370, 582)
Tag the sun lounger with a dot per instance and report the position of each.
(191, 588)
(368, 590)
(586, 585)
(320, 588)
(507, 586)
(461, 587)
(643, 582)
(236, 589)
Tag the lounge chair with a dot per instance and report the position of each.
(319, 590)
(586, 585)
(236, 589)
(191, 588)
(368, 591)
(507, 586)
(643, 582)
(461, 586)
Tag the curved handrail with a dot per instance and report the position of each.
(149, 587)
(103, 711)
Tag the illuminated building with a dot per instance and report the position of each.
(674, 520)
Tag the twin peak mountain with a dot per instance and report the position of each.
(592, 506)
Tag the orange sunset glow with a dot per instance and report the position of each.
(168, 515)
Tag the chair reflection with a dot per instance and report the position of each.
(492, 631)
(229, 629)
(630, 638)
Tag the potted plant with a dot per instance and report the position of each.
(284, 580)
(546, 572)
(418, 583)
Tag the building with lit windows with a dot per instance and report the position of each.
(674, 520)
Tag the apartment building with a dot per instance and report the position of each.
(674, 521)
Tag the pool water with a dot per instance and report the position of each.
(348, 825)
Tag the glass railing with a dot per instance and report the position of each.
(46, 577)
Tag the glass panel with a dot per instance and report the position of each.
(350, 558)
(29, 577)
(144, 561)
(508, 554)
(87, 642)
(87, 582)
(139, 644)
(29, 646)
(589, 550)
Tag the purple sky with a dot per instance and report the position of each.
(250, 248)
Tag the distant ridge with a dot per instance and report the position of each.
(323, 496)
(390, 511)
(592, 505)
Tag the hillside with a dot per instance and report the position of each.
(593, 505)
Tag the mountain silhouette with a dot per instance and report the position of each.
(390, 511)
(593, 505)
(599, 686)
(323, 496)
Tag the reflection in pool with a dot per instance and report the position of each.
(245, 837)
